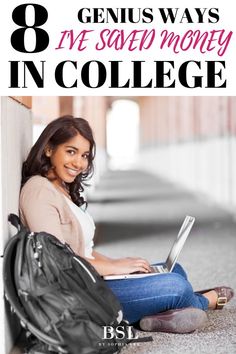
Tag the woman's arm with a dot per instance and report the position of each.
(108, 266)
(38, 207)
(100, 256)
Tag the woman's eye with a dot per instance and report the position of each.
(86, 156)
(71, 152)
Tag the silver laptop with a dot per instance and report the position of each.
(170, 262)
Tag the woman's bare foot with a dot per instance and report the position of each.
(218, 297)
(212, 298)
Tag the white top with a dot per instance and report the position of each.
(87, 226)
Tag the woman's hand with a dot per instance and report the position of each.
(130, 265)
(110, 266)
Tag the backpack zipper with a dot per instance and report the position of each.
(85, 268)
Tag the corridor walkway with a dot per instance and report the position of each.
(139, 214)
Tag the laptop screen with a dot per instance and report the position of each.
(179, 242)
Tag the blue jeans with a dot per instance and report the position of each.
(147, 296)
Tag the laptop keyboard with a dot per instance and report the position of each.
(158, 269)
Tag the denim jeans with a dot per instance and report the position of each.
(147, 296)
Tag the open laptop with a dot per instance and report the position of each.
(170, 262)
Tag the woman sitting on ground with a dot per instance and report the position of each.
(53, 175)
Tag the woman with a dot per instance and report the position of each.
(52, 182)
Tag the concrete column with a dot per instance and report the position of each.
(15, 141)
(94, 110)
(191, 141)
(46, 108)
(66, 105)
(149, 119)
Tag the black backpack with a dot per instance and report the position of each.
(60, 298)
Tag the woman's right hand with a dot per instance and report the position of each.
(130, 265)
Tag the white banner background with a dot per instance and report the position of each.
(63, 16)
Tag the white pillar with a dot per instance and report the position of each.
(15, 141)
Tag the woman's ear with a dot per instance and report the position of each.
(48, 151)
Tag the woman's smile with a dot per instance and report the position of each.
(73, 172)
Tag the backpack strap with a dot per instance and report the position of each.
(143, 339)
(15, 221)
(21, 231)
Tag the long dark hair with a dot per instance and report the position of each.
(58, 132)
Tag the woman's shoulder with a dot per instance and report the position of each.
(37, 185)
(39, 195)
(35, 181)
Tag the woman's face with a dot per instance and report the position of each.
(68, 160)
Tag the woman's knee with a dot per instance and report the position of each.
(169, 283)
(172, 291)
(179, 270)
(181, 287)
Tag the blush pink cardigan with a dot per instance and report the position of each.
(43, 208)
